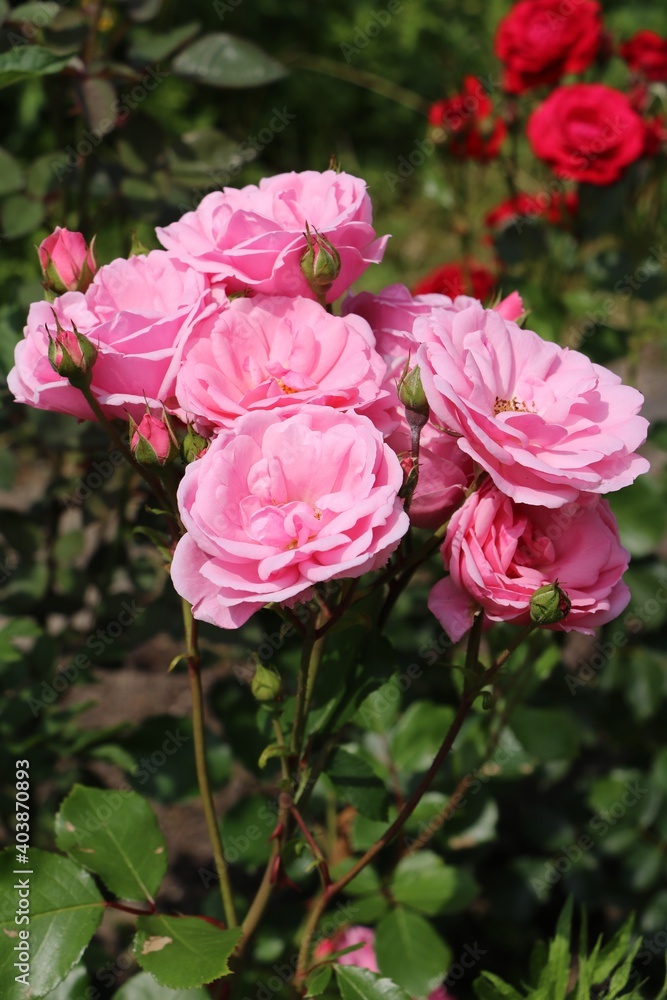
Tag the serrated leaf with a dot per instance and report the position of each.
(318, 980)
(65, 911)
(410, 952)
(360, 984)
(358, 784)
(115, 835)
(146, 987)
(27, 61)
(182, 952)
(222, 60)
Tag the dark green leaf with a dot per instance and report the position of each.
(146, 987)
(65, 911)
(360, 984)
(26, 61)
(419, 734)
(114, 834)
(11, 173)
(424, 882)
(147, 47)
(73, 986)
(358, 784)
(410, 952)
(21, 216)
(318, 980)
(222, 60)
(182, 952)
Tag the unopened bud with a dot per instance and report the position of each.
(68, 263)
(320, 264)
(71, 354)
(549, 604)
(266, 684)
(194, 445)
(411, 393)
(152, 441)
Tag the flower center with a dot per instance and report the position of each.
(512, 405)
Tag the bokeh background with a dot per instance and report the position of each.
(86, 613)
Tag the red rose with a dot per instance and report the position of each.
(646, 54)
(587, 132)
(554, 208)
(467, 119)
(467, 278)
(541, 40)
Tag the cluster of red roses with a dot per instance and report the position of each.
(586, 132)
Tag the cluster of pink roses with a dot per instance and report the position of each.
(308, 445)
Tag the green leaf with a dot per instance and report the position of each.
(410, 952)
(366, 883)
(27, 61)
(147, 47)
(546, 733)
(146, 987)
(182, 952)
(114, 834)
(357, 783)
(641, 515)
(318, 980)
(614, 952)
(11, 173)
(222, 60)
(419, 734)
(490, 987)
(424, 882)
(72, 986)
(21, 216)
(556, 972)
(37, 13)
(360, 984)
(65, 911)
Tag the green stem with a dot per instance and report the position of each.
(311, 655)
(411, 804)
(203, 780)
(362, 78)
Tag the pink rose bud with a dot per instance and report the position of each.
(72, 355)
(320, 264)
(152, 441)
(68, 263)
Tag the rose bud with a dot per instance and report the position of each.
(194, 445)
(68, 263)
(549, 604)
(152, 441)
(266, 684)
(320, 264)
(72, 355)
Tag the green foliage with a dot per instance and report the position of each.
(360, 984)
(182, 952)
(411, 952)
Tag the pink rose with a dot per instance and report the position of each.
(281, 501)
(137, 313)
(67, 262)
(254, 237)
(444, 473)
(543, 421)
(499, 552)
(363, 957)
(271, 351)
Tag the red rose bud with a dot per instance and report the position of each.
(320, 264)
(152, 441)
(68, 263)
(72, 355)
(549, 604)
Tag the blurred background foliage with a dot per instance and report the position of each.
(88, 702)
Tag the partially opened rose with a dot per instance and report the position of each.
(271, 351)
(137, 313)
(543, 421)
(254, 237)
(587, 132)
(646, 54)
(539, 41)
(498, 553)
(282, 501)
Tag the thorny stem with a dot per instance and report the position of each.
(203, 780)
(407, 810)
(322, 865)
